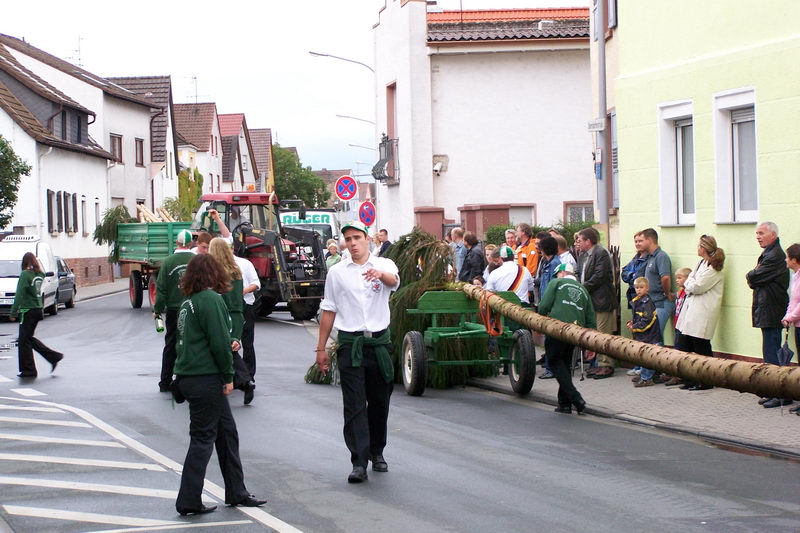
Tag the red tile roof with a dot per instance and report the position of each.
(195, 122)
(262, 148)
(505, 15)
(73, 70)
(230, 124)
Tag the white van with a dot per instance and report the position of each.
(12, 248)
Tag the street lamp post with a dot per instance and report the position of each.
(320, 54)
(356, 118)
(362, 146)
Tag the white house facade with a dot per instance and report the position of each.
(197, 126)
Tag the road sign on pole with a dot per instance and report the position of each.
(366, 213)
(346, 188)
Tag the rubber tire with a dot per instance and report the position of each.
(53, 309)
(69, 304)
(151, 290)
(522, 349)
(136, 289)
(414, 363)
(266, 306)
(304, 309)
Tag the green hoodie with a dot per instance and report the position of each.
(204, 337)
(234, 301)
(29, 292)
(168, 291)
(567, 300)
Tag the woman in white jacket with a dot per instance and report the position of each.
(700, 311)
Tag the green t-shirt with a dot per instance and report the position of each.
(29, 292)
(567, 300)
(234, 301)
(168, 290)
(204, 337)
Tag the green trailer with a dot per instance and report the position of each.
(515, 350)
(146, 245)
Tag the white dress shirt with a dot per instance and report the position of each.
(566, 257)
(249, 277)
(501, 279)
(360, 305)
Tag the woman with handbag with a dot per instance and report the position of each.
(698, 319)
(28, 307)
(204, 370)
(792, 316)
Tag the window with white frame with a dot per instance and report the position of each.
(579, 212)
(676, 163)
(244, 162)
(736, 156)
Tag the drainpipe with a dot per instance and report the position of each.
(602, 190)
(39, 187)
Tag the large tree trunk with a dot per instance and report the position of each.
(759, 378)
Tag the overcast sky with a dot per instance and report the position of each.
(249, 57)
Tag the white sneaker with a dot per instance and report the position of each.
(633, 372)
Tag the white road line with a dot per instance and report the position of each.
(28, 392)
(255, 513)
(91, 487)
(58, 440)
(4, 379)
(38, 409)
(82, 462)
(66, 423)
(181, 526)
(281, 321)
(58, 514)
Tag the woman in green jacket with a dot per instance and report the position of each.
(220, 249)
(28, 307)
(204, 370)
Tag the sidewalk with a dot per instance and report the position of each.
(721, 415)
(101, 289)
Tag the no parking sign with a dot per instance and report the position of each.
(346, 188)
(366, 213)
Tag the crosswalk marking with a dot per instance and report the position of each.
(60, 440)
(37, 409)
(28, 392)
(181, 526)
(4, 379)
(66, 423)
(92, 487)
(82, 462)
(41, 512)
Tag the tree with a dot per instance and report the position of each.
(106, 232)
(190, 188)
(294, 180)
(12, 168)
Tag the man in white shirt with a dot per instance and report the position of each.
(250, 284)
(510, 276)
(356, 303)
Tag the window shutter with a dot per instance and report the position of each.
(49, 211)
(60, 211)
(747, 114)
(75, 213)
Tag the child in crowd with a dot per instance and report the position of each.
(681, 275)
(478, 281)
(644, 326)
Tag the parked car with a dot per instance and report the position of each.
(65, 294)
(12, 248)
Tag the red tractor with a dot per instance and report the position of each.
(290, 261)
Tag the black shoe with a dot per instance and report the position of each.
(23, 375)
(762, 401)
(202, 510)
(580, 405)
(249, 394)
(55, 363)
(358, 475)
(564, 409)
(776, 402)
(379, 464)
(795, 409)
(700, 386)
(250, 501)
(688, 386)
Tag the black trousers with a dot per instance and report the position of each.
(248, 337)
(27, 343)
(365, 395)
(560, 358)
(169, 354)
(687, 343)
(211, 425)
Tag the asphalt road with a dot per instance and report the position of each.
(100, 449)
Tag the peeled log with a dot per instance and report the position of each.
(758, 378)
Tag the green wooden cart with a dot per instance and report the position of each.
(421, 349)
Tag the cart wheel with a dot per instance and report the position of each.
(151, 290)
(135, 289)
(415, 363)
(522, 369)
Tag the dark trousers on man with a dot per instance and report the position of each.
(365, 396)
(169, 354)
(27, 343)
(770, 343)
(559, 354)
(211, 426)
(248, 337)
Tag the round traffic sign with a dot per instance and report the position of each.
(346, 188)
(366, 213)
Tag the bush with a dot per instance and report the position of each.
(569, 229)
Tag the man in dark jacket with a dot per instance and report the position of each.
(474, 262)
(383, 236)
(596, 273)
(770, 283)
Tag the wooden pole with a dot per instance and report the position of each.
(758, 378)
